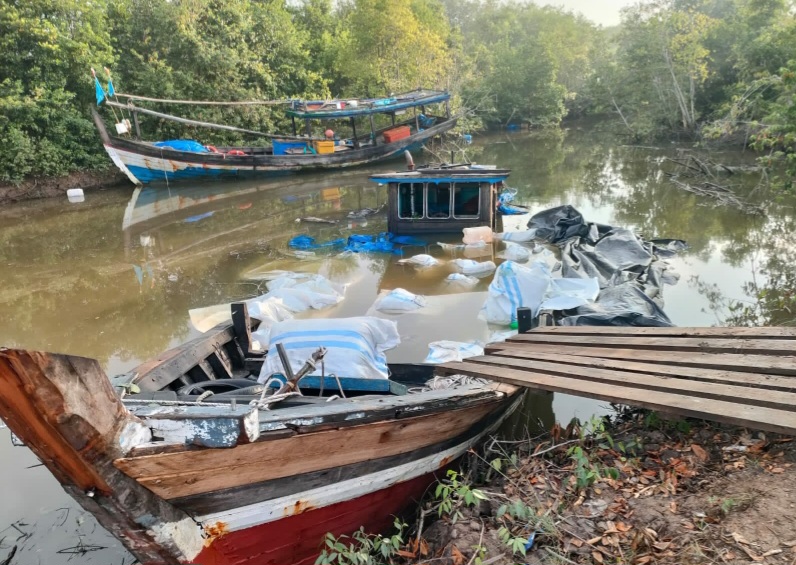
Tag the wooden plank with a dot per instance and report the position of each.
(239, 497)
(162, 371)
(175, 475)
(768, 419)
(241, 326)
(726, 332)
(219, 362)
(784, 365)
(727, 392)
(695, 344)
(740, 378)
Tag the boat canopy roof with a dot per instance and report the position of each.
(468, 173)
(347, 108)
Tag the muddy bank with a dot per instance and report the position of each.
(635, 490)
(49, 187)
(641, 490)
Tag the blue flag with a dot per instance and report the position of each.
(111, 92)
(98, 91)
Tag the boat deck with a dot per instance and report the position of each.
(740, 376)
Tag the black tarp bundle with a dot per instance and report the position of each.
(629, 269)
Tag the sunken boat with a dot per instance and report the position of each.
(379, 128)
(188, 459)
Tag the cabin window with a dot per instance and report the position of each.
(410, 200)
(467, 200)
(438, 200)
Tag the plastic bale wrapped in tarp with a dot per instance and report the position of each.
(534, 287)
(451, 351)
(398, 301)
(474, 268)
(420, 261)
(623, 305)
(355, 346)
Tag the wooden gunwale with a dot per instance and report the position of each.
(181, 474)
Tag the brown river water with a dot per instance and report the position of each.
(113, 278)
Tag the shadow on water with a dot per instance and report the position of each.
(114, 278)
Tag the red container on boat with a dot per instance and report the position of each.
(396, 133)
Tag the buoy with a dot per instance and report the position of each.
(329, 134)
(75, 195)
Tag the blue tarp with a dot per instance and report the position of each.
(183, 145)
(358, 243)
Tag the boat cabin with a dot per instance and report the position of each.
(444, 199)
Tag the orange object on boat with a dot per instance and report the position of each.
(397, 133)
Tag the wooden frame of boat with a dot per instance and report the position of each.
(143, 162)
(223, 482)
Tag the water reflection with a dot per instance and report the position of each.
(114, 278)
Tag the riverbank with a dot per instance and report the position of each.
(639, 489)
(49, 187)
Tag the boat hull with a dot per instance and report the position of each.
(144, 163)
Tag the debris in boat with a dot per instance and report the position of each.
(398, 301)
(505, 205)
(446, 351)
(314, 220)
(422, 260)
(474, 268)
(517, 286)
(458, 279)
(359, 351)
(364, 213)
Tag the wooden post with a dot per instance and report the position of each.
(293, 121)
(308, 127)
(417, 122)
(67, 413)
(393, 118)
(448, 108)
(372, 130)
(354, 128)
(241, 325)
(137, 126)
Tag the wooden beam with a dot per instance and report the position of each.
(686, 344)
(727, 361)
(764, 418)
(241, 325)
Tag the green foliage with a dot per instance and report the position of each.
(453, 493)
(362, 548)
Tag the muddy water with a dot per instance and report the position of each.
(114, 278)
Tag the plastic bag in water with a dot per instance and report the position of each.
(475, 268)
(448, 351)
(421, 260)
(399, 301)
(459, 279)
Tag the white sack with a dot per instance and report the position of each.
(470, 267)
(458, 279)
(269, 312)
(448, 351)
(516, 286)
(421, 260)
(398, 301)
(517, 236)
(355, 346)
(514, 252)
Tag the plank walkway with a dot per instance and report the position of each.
(741, 376)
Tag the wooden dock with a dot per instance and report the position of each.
(741, 376)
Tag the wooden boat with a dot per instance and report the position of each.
(444, 199)
(145, 162)
(222, 482)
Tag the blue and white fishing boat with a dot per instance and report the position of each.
(409, 124)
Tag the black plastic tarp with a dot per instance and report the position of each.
(628, 268)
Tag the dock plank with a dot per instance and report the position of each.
(686, 344)
(647, 382)
(759, 417)
(780, 365)
(740, 378)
